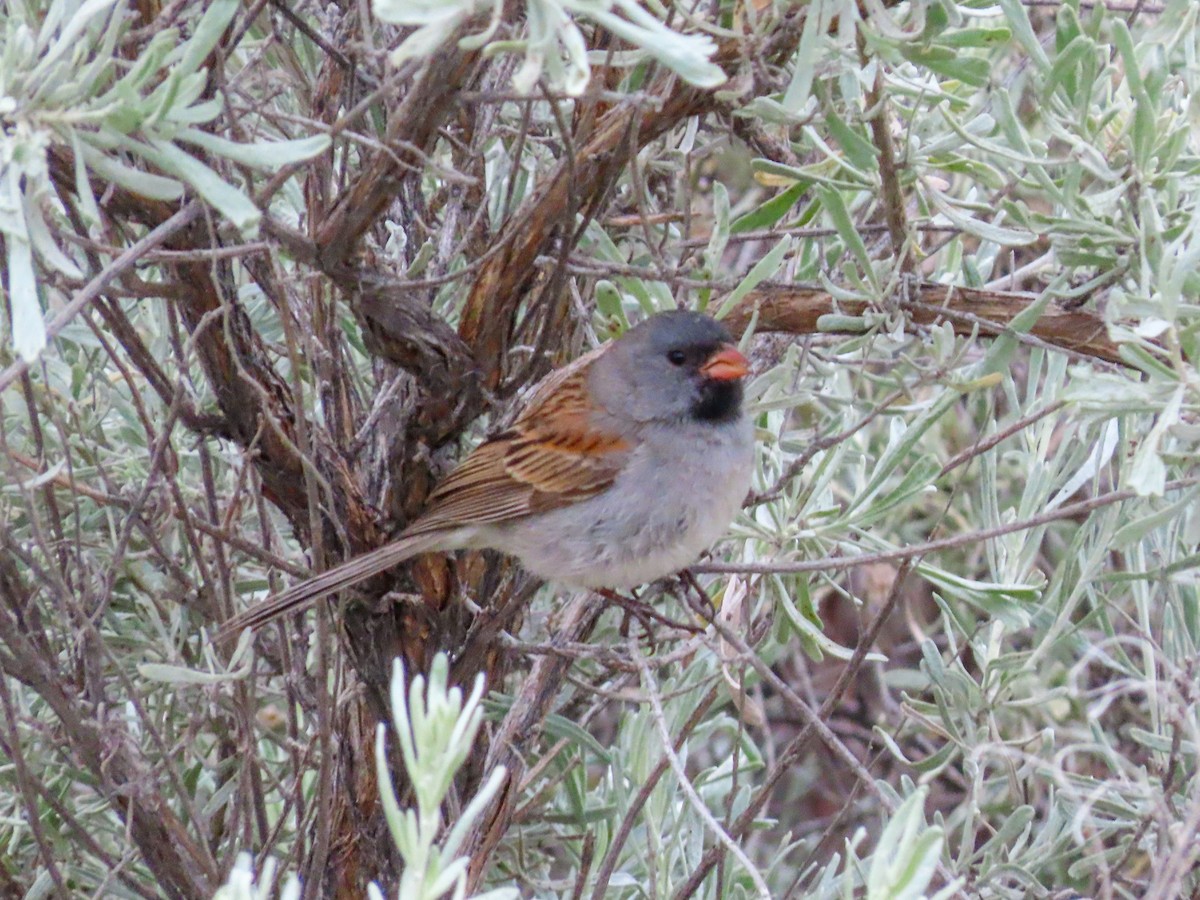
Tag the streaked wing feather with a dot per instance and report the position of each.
(553, 455)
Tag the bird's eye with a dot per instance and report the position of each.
(676, 357)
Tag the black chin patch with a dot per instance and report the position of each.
(719, 401)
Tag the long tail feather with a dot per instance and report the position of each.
(348, 574)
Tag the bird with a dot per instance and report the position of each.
(621, 469)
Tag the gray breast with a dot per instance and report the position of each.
(678, 494)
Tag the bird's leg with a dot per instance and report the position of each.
(643, 612)
(703, 606)
(631, 607)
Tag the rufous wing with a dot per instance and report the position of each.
(554, 454)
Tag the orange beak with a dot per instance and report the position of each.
(726, 365)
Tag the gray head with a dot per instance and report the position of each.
(675, 365)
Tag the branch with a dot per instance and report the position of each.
(412, 128)
(798, 310)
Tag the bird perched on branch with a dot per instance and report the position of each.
(621, 469)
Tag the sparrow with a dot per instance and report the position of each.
(621, 469)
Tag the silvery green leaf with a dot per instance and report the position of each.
(422, 12)
(446, 879)
(145, 184)
(28, 327)
(1021, 593)
(835, 207)
(436, 21)
(578, 71)
(719, 238)
(42, 478)
(1097, 460)
(43, 242)
(208, 31)
(474, 41)
(842, 324)
(686, 54)
(182, 675)
(421, 260)
(175, 94)
(426, 39)
(69, 35)
(1138, 528)
(907, 854)
(765, 268)
(150, 61)
(267, 155)
(1022, 30)
(1148, 472)
(529, 72)
(54, 16)
(291, 889)
(457, 833)
(63, 91)
(816, 24)
(89, 209)
(1000, 601)
(774, 112)
(882, 19)
(981, 229)
(809, 631)
(19, 52)
(197, 113)
(228, 200)
(545, 20)
(402, 836)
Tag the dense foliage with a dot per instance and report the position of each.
(270, 267)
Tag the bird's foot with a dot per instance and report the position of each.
(700, 603)
(645, 614)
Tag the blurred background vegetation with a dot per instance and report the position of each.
(271, 266)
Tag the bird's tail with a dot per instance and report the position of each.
(348, 574)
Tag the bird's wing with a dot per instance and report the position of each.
(554, 454)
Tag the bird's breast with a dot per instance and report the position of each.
(677, 494)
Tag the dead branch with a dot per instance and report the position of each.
(798, 310)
